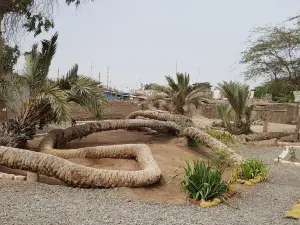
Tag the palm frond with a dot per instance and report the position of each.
(57, 99)
(38, 64)
(172, 84)
(87, 93)
(66, 82)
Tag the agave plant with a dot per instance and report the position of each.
(237, 95)
(38, 101)
(180, 93)
(201, 183)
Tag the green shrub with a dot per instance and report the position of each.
(193, 143)
(252, 168)
(220, 159)
(201, 183)
(223, 136)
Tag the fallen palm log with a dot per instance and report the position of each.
(165, 116)
(80, 176)
(264, 136)
(209, 141)
(289, 138)
(59, 137)
(54, 163)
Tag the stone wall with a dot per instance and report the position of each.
(275, 112)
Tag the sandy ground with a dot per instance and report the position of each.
(115, 110)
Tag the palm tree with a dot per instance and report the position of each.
(181, 93)
(41, 101)
(83, 91)
(237, 95)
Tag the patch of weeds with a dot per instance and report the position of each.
(292, 152)
(225, 137)
(251, 169)
(221, 159)
(193, 143)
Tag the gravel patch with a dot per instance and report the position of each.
(37, 203)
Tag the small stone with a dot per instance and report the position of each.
(128, 200)
(32, 177)
(20, 178)
(242, 181)
(7, 176)
(248, 183)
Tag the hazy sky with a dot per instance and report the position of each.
(141, 39)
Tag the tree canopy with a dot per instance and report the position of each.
(273, 54)
(36, 14)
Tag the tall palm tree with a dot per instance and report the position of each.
(83, 91)
(41, 101)
(181, 93)
(237, 95)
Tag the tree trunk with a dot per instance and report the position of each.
(81, 176)
(265, 124)
(1, 49)
(296, 135)
(59, 137)
(264, 136)
(209, 141)
(166, 116)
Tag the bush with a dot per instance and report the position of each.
(202, 183)
(250, 169)
(223, 136)
(220, 159)
(193, 143)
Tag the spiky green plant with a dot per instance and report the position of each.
(200, 182)
(237, 95)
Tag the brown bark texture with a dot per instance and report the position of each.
(181, 120)
(80, 176)
(209, 141)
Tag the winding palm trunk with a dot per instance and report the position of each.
(1, 47)
(81, 176)
(59, 137)
(165, 116)
(209, 141)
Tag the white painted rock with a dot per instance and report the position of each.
(20, 178)
(7, 176)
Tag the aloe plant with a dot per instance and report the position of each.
(200, 182)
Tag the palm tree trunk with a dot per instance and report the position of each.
(165, 116)
(57, 138)
(1, 48)
(81, 176)
(209, 141)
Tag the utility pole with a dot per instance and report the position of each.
(58, 72)
(99, 79)
(107, 71)
(91, 69)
